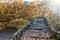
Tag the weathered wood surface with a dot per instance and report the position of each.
(6, 34)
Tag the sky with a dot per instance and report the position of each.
(54, 5)
(32, 0)
(29, 0)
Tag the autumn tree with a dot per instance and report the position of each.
(17, 14)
